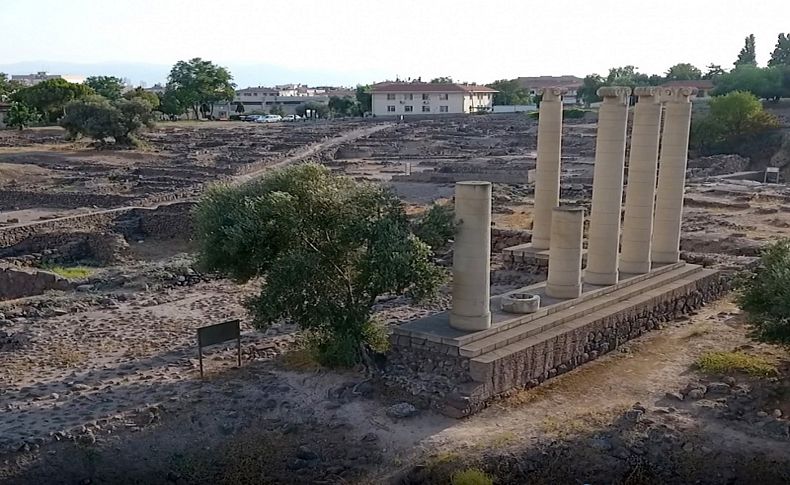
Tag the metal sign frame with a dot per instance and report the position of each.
(217, 334)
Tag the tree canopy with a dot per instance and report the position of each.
(320, 109)
(110, 87)
(683, 72)
(732, 118)
(100, 119)
(343, 106)
(141, 93)
(748, 54)
(326, 246)
(21, 116)
(364, 98)
(198, 84)
(51, 96)
(781, 54)
(510, 93)
(8, 87)
(442, 79)
(763, 82)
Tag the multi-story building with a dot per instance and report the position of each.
(419, 98)
(571, 85)
(33, 79)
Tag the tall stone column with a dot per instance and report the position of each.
(472, 257)
(565, 254)
(547, 172)
(604, 235)
(640, 192)
(671, 174)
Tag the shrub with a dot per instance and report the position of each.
(729, 362)
(471, 476)
(534, 114)
(573, 113)
(71, 272)
(100, 119)
(327, 247)
(735, 118)
(765, 294)
(21, 116)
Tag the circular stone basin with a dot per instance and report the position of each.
(520, 303)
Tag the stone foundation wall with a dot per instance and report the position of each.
(22, 199)
(505, 238)
(426, 370)
(21, 282)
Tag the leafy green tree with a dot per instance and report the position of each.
(51, 96)
(762, 82)
(198, 84)
(343, 106)
(764, 293)
(781, 54)
(170, 104)
(277, 110)
(588, 92)
(141, 93)
(326, 246)
(683, 72)
(21, 116)
(748, 54)
(8, 87)
(239, 108)
(100, 119)
(732, 119)
(364, 98)
(509, 93)
(714, 72)
(320, 109)
(110, 87)
(442, 80)
(626, 76)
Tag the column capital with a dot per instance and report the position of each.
(679, 94)
(614, 94)
(648, 92)
(551, 94)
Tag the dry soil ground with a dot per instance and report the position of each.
(102, 385)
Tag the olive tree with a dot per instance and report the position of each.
(101, 119)
(765, 294)
(326, 248)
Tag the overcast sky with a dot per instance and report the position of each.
(360, 41)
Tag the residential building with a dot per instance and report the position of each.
(704, 86)
(33, 79)
(571, 85)
(419, 98)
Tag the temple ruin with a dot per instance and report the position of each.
(632, 282)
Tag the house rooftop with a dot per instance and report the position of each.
(421, 87)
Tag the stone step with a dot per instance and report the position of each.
(481, 367)
(553, 319)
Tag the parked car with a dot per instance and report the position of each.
(250, 117)
(292, 118)
(269, 119)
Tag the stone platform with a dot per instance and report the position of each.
(461, 372)
(525, 253)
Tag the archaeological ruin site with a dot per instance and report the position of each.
(590, 277)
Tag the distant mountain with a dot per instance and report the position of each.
(243, 74)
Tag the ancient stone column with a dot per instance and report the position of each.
(603, 240)
(641, 189)
(565, 254)
(547, 173)
(471, 257)
(671, 174)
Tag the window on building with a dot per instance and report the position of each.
(390, 96)
(444, 109)
(408, 109)
(443, 96)
(426, 109)
(391, 108)
(408, 96)
(426, 96)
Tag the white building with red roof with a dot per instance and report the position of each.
(419, 98)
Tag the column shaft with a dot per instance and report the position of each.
(671, 175)
(641, 189)
(604, 235)
(565, 254)
(547, 172)
(472, 257)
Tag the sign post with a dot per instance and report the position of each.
(217, 334)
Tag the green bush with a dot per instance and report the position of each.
(765, 294)
(471, 476)
(534, 114)
(730, 362)
(100, 119)
(326, 246)
(573, 113)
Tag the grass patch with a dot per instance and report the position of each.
(301, 358)
(730, 362)
(62, 357)
(471, 476)
(71, 272)
(699, 331)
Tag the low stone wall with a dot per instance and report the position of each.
(22, 199)
(505, 238)
(172, 221)
(21, 282)
(498, 177)
(426, 370)
(10, 236)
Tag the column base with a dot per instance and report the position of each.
(564, 292)
(665, 257)
(602, 279)
(473, 323)
(635, 267)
